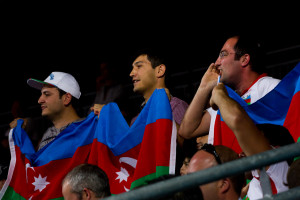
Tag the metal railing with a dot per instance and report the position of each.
(228, 169)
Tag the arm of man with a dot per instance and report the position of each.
(196, 120)
(250, 138)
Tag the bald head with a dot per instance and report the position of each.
(201, 160)
(226, 188)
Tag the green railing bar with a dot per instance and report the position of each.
(176, 184)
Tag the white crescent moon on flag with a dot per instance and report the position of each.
(130, 161)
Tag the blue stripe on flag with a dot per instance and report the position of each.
(273, 107)
(121, 138)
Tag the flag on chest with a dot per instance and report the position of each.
(129, 155)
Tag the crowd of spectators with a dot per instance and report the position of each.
(238, 66)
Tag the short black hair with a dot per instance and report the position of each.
(74, 102)
(250, 44)
(189, 147)
(277, 135)
(293, 175)
(156, 56)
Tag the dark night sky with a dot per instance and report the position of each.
(37, 43)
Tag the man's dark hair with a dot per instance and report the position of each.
(189, 147)
(277, 136)
(61, 93)
(252, 45)
(74, 102)
(293, 175)
(156, 57)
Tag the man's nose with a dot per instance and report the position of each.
(132, 73)
(41, 100)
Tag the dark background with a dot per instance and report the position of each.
(75, 38)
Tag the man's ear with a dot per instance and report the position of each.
(245, 59)
(224, 185)
(67, 99)
(160, 70)
(86, 193)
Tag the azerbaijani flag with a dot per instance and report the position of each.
(129, 155)
(281, 106)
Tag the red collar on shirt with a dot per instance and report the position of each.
(259, 77)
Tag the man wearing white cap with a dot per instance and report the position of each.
(57, 93)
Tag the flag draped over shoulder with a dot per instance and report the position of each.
(129, 155)
(281, 106)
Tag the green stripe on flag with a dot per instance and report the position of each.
(296, 158)
(60, 198)
(160, 171)
(11, 194)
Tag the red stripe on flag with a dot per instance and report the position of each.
(119, 179)
(155, 148)
(49, 175)
(292, 120)
(152, 152)
(223, 135)
(18, 181)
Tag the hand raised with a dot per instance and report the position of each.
(97, 109)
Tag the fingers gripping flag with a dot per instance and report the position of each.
(129, 155)
(281, 106)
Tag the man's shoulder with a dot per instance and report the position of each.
(260, 88)
(176, 100)
(268, 80)
(265, 84)
(178, 104)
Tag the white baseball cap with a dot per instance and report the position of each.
(61, 80)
